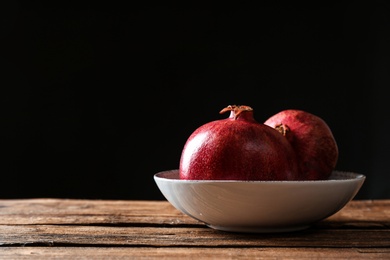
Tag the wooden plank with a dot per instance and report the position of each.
(72, 235)
(360, 214)
(78, 211)
(121, 212)
(191, 253)
(364, 210)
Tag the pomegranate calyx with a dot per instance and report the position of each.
(283, 129)
(235, 110)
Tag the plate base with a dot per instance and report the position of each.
(260, 229)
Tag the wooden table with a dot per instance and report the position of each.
(121, 229)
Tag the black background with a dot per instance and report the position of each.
(97, 98)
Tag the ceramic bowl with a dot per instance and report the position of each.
(259, 206)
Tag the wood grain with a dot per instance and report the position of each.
(65, 235)
(77, 253)
(74, 211)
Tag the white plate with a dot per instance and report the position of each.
(259, 206)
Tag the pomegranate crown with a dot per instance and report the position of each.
(235, 110)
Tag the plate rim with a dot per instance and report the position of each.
(341, 176)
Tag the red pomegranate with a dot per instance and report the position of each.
(312, 140)
(237, 148)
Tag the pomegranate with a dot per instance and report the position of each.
(237, 148)
(311, 138)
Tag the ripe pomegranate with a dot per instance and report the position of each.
(237, 148)
(312, 140)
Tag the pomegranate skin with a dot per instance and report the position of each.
(311, 138)
(237, 148)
